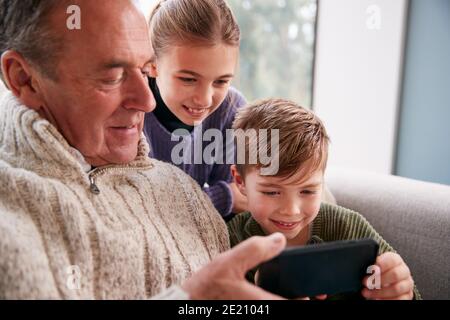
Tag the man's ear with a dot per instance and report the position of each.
(239, 180)
(19, 79)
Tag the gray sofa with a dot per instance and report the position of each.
(413, 216)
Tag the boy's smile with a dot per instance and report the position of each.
(283, 205)
(286, 225)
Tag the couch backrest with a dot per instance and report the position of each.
(413, 216)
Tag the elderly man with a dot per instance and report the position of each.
(84, 213)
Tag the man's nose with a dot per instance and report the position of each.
(140, 97)
(203, 96)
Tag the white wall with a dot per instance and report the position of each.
(357, 79)
(146, 6)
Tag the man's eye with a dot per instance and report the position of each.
(113, 82)
(116, 79)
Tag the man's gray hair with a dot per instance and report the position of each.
(24, 28)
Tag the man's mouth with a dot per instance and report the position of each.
(126, 131)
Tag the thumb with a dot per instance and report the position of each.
(256, 250)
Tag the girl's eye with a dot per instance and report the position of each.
(187, 80)
(146, 73)
(222, 82)
(308, 192)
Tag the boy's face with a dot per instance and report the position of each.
(282, 205)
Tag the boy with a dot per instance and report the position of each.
(289, 200)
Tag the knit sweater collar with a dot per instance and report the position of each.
(32, 143)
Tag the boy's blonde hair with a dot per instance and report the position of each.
(192, 22)
(303, 140)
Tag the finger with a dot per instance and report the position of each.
(388, 260)
(252, 252)
(256, 276)
(302, 298)
(399, 289)
(403, 297)
(251, 292)
(395, 275)
(374, 272)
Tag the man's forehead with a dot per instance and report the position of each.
(117, 62)
(101, 18)
(111, 33)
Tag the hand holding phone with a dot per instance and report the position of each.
(330, 268)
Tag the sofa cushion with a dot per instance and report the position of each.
(413, 216)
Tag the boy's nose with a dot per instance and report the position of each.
(291, 208)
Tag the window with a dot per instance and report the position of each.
(277, 48)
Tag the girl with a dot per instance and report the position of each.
(196, 49)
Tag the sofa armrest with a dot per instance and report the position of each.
(413, 216)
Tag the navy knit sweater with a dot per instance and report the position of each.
(212, 177)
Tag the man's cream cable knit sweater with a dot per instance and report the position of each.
(147, 229)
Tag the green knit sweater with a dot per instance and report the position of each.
(332, 223)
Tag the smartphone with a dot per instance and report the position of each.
(311, 270)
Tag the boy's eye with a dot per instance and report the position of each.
(308, 192)
(187, 80)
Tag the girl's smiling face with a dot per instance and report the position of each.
(194, 80)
